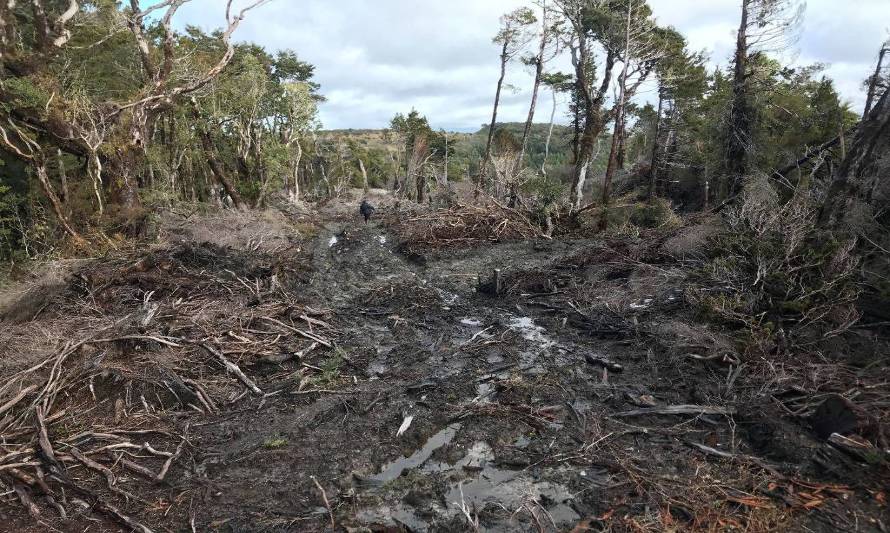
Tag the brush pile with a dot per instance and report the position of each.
(126, 357)
(464, 225)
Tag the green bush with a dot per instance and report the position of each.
(775, 269)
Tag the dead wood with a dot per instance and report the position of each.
(680, 410)
(232, 367)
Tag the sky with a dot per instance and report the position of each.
(376, 58)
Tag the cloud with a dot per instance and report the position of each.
(375, 59)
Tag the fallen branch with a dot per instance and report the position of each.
(232, 367)
(163, 473)
(18, 397)
(327, 503)
(680, 410)
(306, 334)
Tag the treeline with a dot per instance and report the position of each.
(107, 111)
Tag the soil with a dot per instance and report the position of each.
(551, 405)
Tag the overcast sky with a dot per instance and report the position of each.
(375, 58)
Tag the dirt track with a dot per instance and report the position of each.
(545, 408)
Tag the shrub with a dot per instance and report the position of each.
(775, 271)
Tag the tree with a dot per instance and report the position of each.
(513, 36)
(765, 25)
(589, 101)
(557, 82)
(550, 29)
(876, 81)
(34, 49)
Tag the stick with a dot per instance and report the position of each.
(11, 403)
(25, 497)
(306, 334)
(163, 473)
(324, 496)
(680, 410)
(603, 362)
(233, 368)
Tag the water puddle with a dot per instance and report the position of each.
(645, 304)
(531, 332)
(395, 469)
(508, 489)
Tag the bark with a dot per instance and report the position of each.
(213, 161)
(539, 72)
(873, 83)
(653, 160)
(361, 166)
(594, 119)
(494, 114)
(619, 125)
(294, 193)
(865, 164)
(741, 119)
(123, 183)
(63, 178)
(549, 136)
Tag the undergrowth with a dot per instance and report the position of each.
(775, 273)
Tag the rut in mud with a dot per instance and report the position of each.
(395, 396)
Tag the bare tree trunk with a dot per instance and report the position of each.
(63, 178)
(549, 136)
(619, 125)
(361, 166)
(539, 72)
(217, 169)
(58, 209)
(653, 160)
(94, 169)
(494, 114)
(740, 121)
(873, 82)
(294, 193)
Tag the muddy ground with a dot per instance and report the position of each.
(392, 392)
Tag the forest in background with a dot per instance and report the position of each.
(667, 309)
(109, 114)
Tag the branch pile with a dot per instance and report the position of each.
(145, 346)
(463, 225)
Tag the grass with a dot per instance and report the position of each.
(274, 443)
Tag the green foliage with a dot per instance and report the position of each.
(775, 269)
(274, 443)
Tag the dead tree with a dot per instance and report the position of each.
(875, 80)
(864, 168)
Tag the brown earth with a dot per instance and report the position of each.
(586, 395)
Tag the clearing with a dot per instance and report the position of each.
(299, 370)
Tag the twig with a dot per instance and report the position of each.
(163, 473)
(327, 503)
(11, 403)
(310, 336)
(233, 368)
